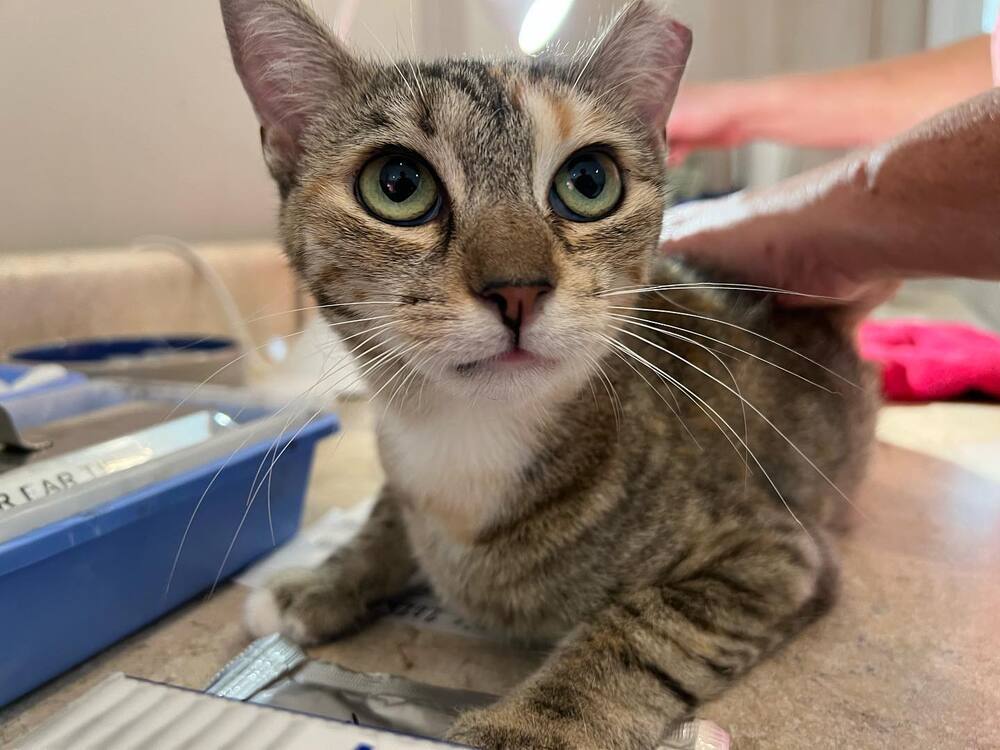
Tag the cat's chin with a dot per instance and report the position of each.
(508, 363)
(514, 377)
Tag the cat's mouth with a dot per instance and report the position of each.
(514, 358)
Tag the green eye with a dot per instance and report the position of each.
(587, 187)
(399, 188)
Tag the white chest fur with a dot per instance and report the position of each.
(460, 463)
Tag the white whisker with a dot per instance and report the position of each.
(232, 362)
(671, 301)
(322, 307)
(697, 400)
(346, 362)
(414, 370)
(609, 388)
(750, 404)
(717, 286)
(745, 330)
(395, 374)
(389, 59)
(705, 405)
(674, 411)
(666, 328)
(270, 470)
(633, 321)
(253, 431)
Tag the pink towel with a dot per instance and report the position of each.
(927, 361)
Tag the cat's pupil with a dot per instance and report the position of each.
(399, 179)
(587, 176)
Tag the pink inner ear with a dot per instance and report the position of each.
(674, 48)
(642, 56)
(278, 104)
(287, 60)
(276, 79)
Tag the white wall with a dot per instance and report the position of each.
(124, 117)
(948, 20)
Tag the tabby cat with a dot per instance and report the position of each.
(583, 441)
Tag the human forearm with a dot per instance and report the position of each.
(869, 103)
(925, 203)
(844, 108)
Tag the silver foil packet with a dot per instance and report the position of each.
(382, 701)
(275, 672)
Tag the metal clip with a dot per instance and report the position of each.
(12, 439)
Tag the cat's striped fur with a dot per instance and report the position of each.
(659, 496)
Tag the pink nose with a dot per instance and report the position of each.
(516, 303)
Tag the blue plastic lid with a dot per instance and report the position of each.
(98, 350)
(12, 373)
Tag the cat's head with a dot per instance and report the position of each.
(469, 214)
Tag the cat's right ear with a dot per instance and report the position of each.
(290, 66)
(641, 57)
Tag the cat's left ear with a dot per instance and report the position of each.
(291, 67)
(641, 56)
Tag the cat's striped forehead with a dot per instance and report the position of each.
(492, 130)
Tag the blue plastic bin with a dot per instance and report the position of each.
(11, 373)
(77, 585)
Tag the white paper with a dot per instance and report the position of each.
(422, 610)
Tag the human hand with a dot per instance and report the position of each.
(922, 204)
(783, 238)
(708, 116)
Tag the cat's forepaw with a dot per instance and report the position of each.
(505, 728)
(306, 606)
(263, 615)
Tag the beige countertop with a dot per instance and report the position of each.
(910, 658)
(61, 295)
